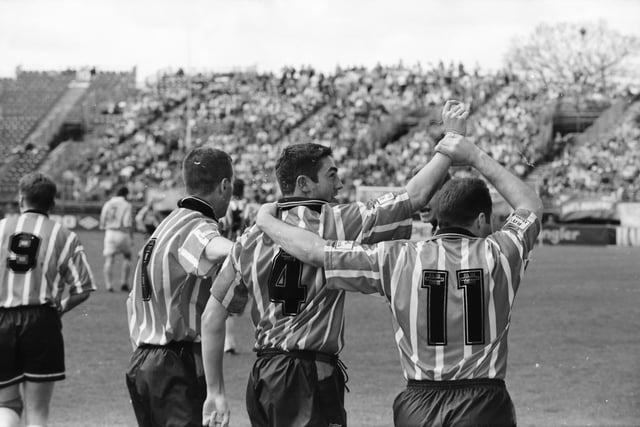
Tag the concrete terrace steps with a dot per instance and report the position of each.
(35, 146)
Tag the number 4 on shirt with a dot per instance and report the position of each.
(284, 284)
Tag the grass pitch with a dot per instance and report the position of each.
(574, 348)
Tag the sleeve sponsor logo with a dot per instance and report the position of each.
(518, 222)
(385, 198)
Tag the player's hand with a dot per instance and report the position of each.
(215, 411)
(58, 302)
(459, 149)
(454, 117)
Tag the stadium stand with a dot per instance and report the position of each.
(381, 123)
(602, 164)
(35, 107)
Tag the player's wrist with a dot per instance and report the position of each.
(452, 133)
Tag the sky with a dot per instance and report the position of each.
(220, 35)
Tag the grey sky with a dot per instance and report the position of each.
(219, 34)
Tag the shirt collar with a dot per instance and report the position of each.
(36, 211)
(290, 202)
(455, 230)
(197, 204)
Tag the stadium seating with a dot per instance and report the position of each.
(605, 165)
(381, 123)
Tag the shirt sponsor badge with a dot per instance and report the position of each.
(518, 222)
(434, 278)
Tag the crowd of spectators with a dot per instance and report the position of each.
(381, 122)
(252, 116)
(606, 166)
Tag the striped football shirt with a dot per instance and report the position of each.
(173, 276)
(293, 309)
(450, 296)
(39, 258)
(116, 214)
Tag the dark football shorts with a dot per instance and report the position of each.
(480, 402)
(31, 345)
(167, 385)
(284, 391)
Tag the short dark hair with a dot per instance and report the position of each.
(299, 159)
(122, 192)
(204, 168)
(460, 201)
(38, 190)
(238, 188)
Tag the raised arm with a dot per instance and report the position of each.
(516, 192)
(426, 182)
(298, 242)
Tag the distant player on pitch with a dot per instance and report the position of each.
(298, 379)
(116, 218)
(39, 260)
(450, 296)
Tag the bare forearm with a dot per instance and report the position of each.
(213, 334)
(218, 249)
(425, 183)
(302, 244)
(518, 194)
(73, 301)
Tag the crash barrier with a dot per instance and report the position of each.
(568, 234)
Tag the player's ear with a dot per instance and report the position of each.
(224, 186)
(302, 182)
(482, 219)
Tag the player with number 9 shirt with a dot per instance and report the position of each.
(40, 258)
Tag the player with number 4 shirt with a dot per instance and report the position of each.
(450, 295)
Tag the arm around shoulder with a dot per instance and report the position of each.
(218, 248)
(304, 245)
